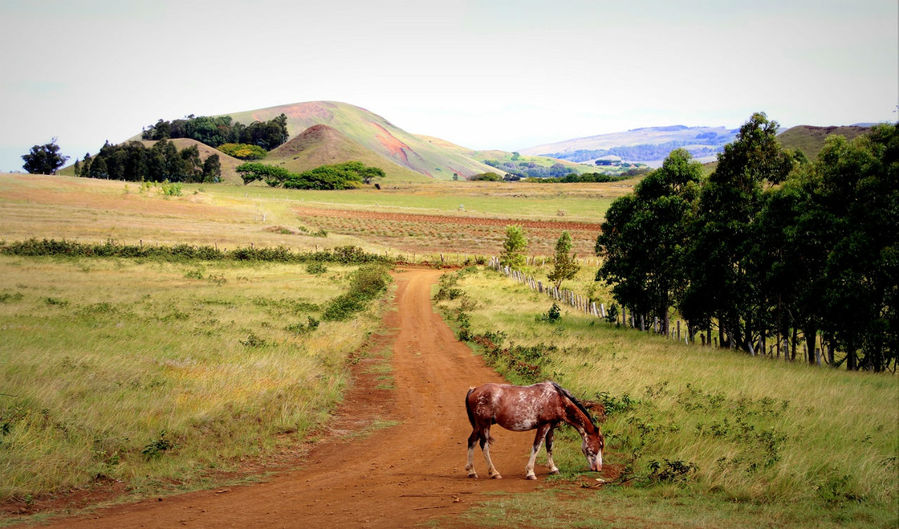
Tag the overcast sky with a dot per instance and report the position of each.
(483, 74)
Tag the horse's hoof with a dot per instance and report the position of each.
(555, 471)
(496, 476)
(473, 475)
(530, 476)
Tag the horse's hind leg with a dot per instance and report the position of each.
(472, 439)
(538, 442)
(549, 452)
(485, 447)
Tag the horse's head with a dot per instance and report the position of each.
(592, 448)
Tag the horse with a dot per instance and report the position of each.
(540, 406)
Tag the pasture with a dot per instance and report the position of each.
(162, 375)
(693, 435)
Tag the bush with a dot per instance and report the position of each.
(366, 284)
(244, 151)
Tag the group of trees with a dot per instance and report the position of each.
(515, 245)
(574, 178)
(132, 161)
(339, 176)
(769, 247)
(218, 130)
(525, 169)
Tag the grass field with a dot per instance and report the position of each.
(693, 433)
(161, 375)
(96, 210)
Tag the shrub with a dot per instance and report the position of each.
(366, 284)
(244, 151)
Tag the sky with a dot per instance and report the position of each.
(482, 74)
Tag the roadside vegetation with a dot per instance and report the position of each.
(166, 374)
(694, 435)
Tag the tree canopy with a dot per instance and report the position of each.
(218, 130)
(44, 159)
(770, 245)
(345, 175)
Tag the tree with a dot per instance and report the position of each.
(722, 275)
(212, 169)
(645, 234)
(514, 247)
(564, 265)
(44, 159)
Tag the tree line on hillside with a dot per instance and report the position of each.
(574, 178)
(768, 247)
(217, 130)
(347, 175)
(133, 161)
(525, 169)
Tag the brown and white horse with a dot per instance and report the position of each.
(542, 407)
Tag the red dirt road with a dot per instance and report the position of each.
(395, 477)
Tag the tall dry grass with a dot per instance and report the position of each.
(159, 374)
(687, 421)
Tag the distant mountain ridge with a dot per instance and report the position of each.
(810, 139)
(649, 145)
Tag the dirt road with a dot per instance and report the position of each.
(395, 477)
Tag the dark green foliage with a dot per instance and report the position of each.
(486, 177)
(133, 162)
(154, 449)
(644, 237)
(44, 159)
(186, 252)
(346, 175)
(524, 169)
(554, 314)
(771, 246)
(215, 131)
(670, 471)
(366, 284)
(212, 169)
(316, 267)
(573, 178)
(270, 174)
(304, 328)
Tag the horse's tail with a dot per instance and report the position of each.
(468, 407)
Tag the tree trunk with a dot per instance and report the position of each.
(811, 335)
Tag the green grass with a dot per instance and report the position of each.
(161, 374)
(692, 428)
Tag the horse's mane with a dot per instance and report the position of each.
(577, 403)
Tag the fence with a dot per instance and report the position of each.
(585, 305)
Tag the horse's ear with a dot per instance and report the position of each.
(597, 408)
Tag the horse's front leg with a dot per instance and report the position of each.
(538, 442)
(549, 451)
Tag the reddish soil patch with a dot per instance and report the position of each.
(397, 149)
(398, 476)
(448, 234)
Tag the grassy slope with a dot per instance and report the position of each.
(372, 132)
(323, 145)
(193, 354)
(810, 140)
(95, 210)
(774, 443)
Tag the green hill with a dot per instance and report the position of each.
(374, 133)
(810, 139)
(323, 145)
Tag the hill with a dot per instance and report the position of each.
(374, 133)
(649, 145)
(810, 139)
(323, 145)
